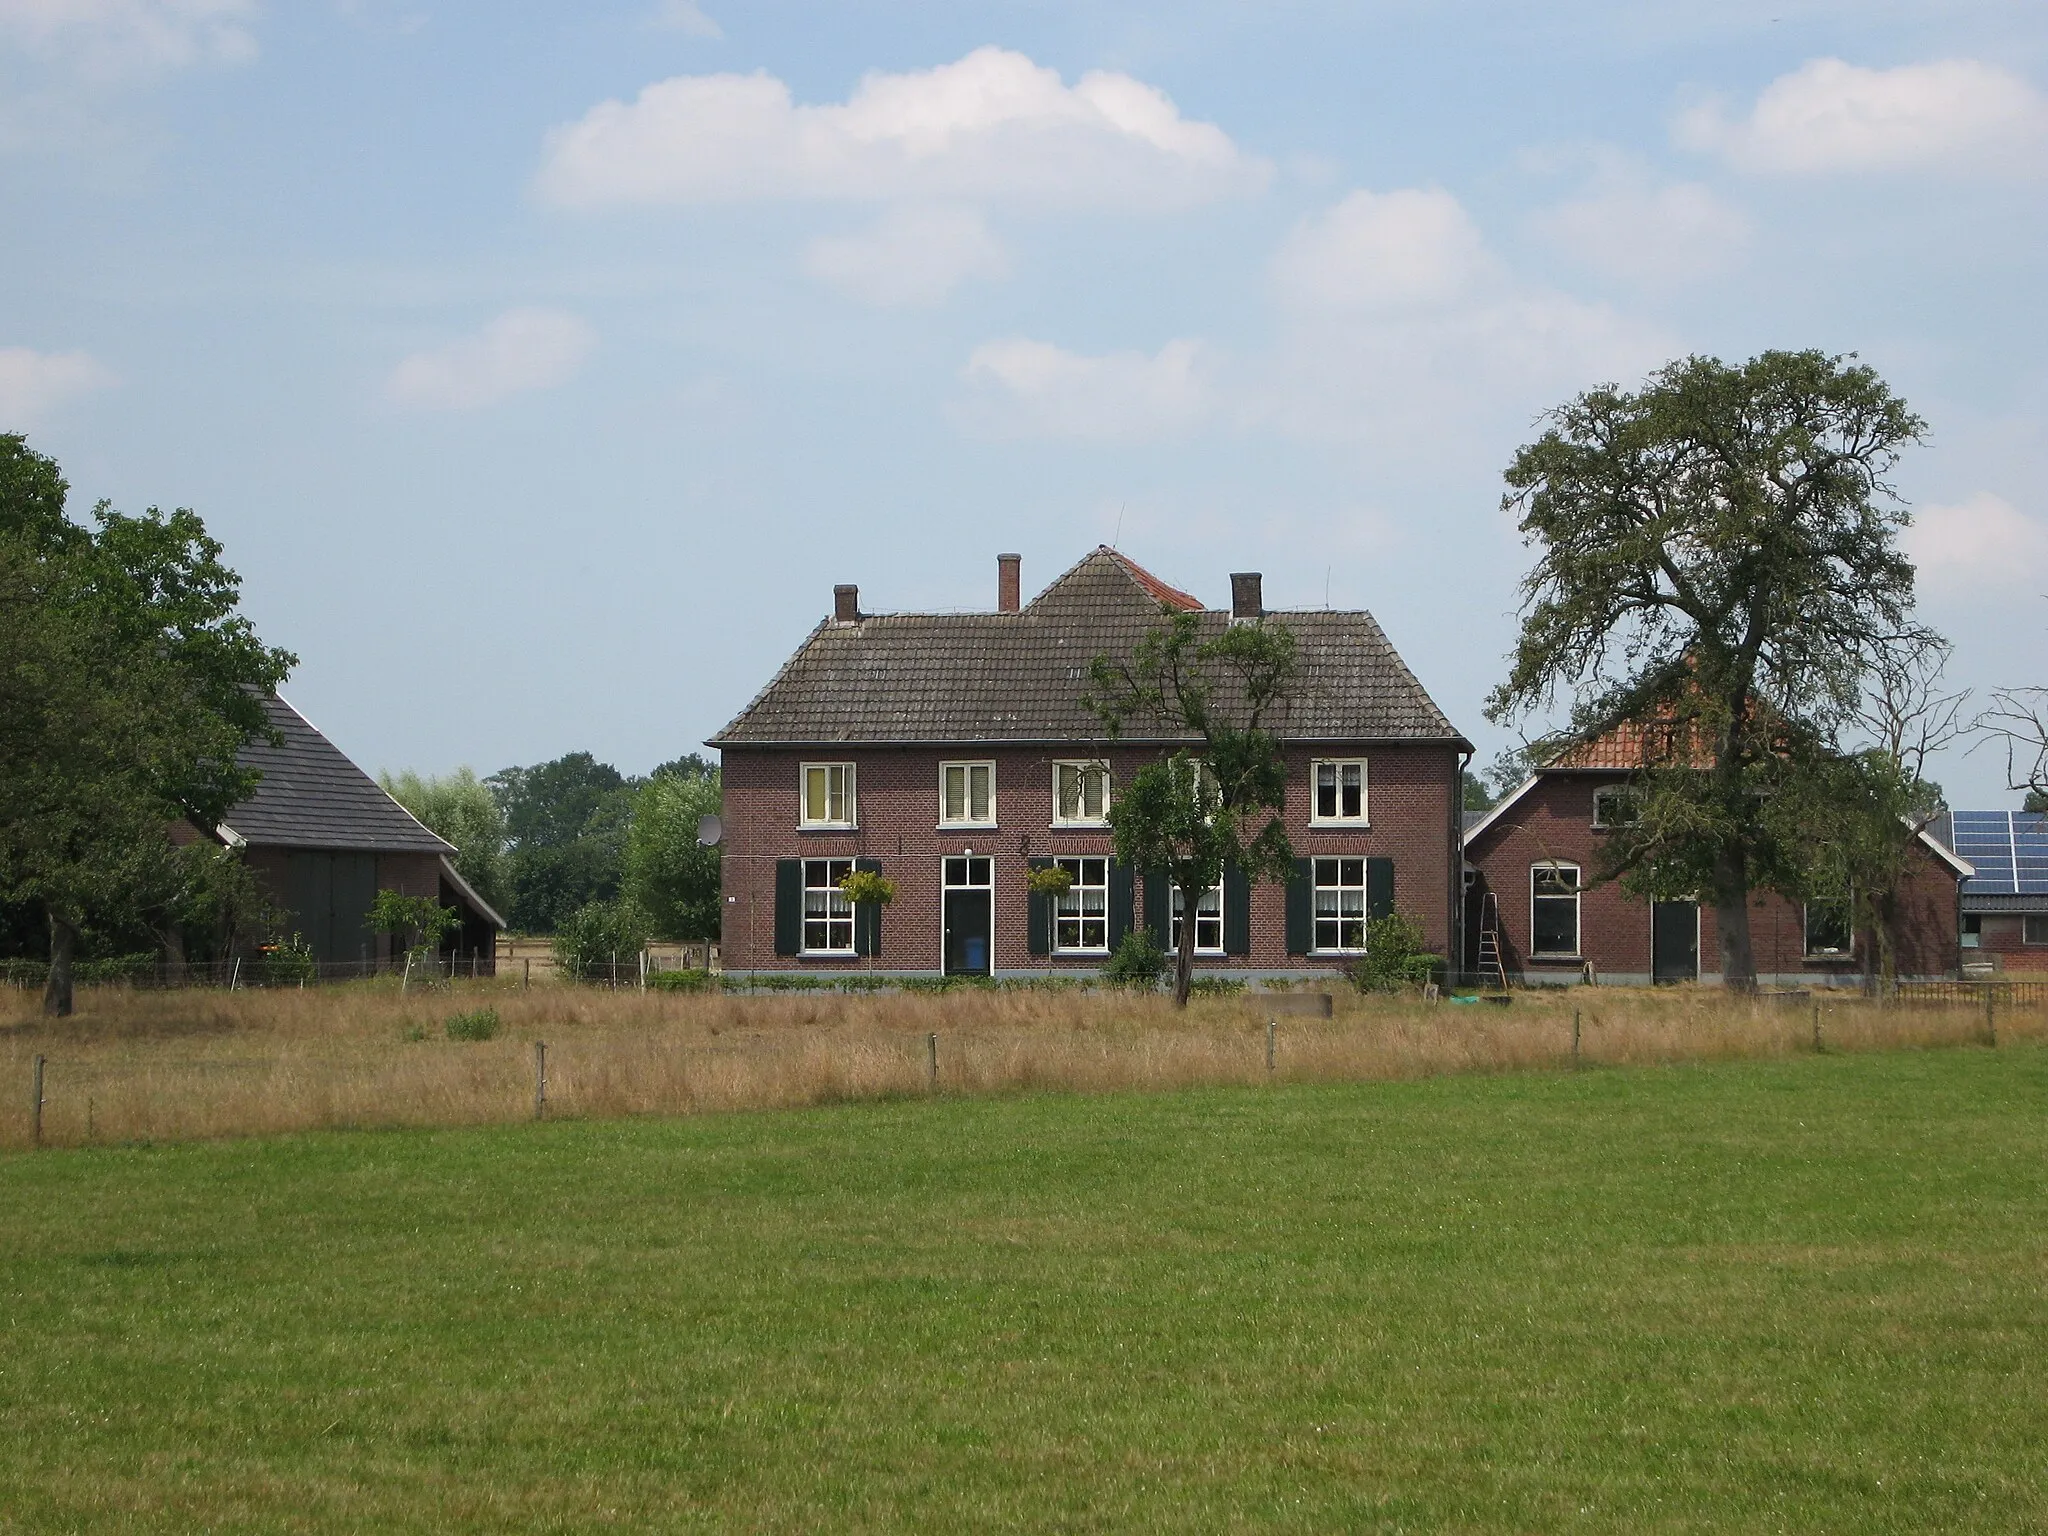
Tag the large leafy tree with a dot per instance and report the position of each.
(669, 876)
(565, 824)
(461, 808)
(129, 681)
(1718, 565)
(1186, 816)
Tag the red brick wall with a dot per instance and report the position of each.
(1410, 795)
(1554, 820)
(2004, 935)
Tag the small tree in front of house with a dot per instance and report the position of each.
(868, 891)
(1194, 812)
(420, 921)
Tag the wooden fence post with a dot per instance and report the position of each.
(526, 971)
(1575, 1038)
(1990, 1016)
(1272, 1040)
(38, 1132)
(931, 1056)
(540, 1080)
(1816, 1029)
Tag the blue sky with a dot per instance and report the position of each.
(542, 368)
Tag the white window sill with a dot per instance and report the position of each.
(1574, 958)
(828, 826)
(1080, 954)
(1334, 954)
(968, 826)
(1078, 826)
(1317, 824)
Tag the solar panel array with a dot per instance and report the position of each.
(2009, 848)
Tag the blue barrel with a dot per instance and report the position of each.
(974, 954)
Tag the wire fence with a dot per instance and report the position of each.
(258, 970)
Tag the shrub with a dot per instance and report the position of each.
(697, 980)
(283, 962)
(600, 933)
(480, 1024)
(1217, 986)
(1138, 963)
(866, 983)
(1394, 958)
(1050, 881)
(868, 887)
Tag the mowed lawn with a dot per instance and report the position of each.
(1809, 1294)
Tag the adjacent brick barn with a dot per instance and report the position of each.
(323, 838)
(1532, 900)
(2005, 902)
(953, 754)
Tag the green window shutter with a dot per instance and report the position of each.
(1237, 911)
(1379, 888)
(1122, 901)
(1039, 915)
(1301, 908)
(867, 916)
(1159, 905)
(789, 906)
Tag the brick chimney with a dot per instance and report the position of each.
(846, 604)
(1247, 600)
(1009, 583)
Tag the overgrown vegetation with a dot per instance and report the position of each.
(476, 1024)
(603, 938)
(1396, 957)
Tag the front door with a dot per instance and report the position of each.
(1675, 941)
(969, 917)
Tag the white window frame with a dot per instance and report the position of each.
(1068, 905)
(1342, 887)
(1848, 949)
(1203, 919)
(1316, 818)
(1578, 909)
(965, 768)
(848, 795)
(1601, 797)
(1082, 765)
(835, 912)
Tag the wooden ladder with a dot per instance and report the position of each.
(1490, 963)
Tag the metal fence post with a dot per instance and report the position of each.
(38, 1115)
(540, 1080)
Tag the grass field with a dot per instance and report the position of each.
(1800, 1294)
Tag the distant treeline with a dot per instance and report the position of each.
(544, 843)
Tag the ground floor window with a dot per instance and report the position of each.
(1827, 929)
(1973, 931)
(2034, 928)
(828, 915)
(1340, 904)
(1554, 909)
(1208, 921)
(1080, 923)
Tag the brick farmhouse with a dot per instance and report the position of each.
(1534, 910)
(953, 754)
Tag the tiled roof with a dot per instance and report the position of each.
(917, 677)
(1632, 745)
(311, 796)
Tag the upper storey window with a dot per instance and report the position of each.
(1340, 791)
(967, 794)
(828, 795)
(1080, 794)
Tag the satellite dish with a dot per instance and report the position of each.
(710, 831)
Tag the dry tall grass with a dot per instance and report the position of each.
(177, 1065)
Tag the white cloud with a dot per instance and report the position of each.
(1022, 388)
(33, 384)
(125, 37)
(1625, 226)
(521, 350)
(1383, 251)
(1981, 541)
(911, 255)
(1405, 331)
(687, 17)
(991, 126)
(1829, 115)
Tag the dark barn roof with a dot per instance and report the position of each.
(310, 796)
(990, 677)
